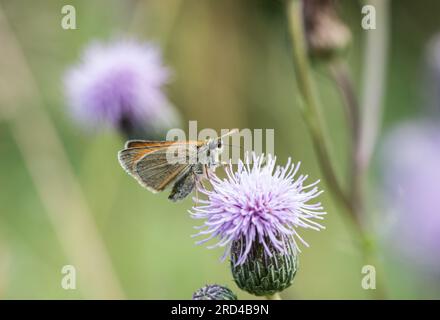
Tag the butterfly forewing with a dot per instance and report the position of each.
(156, 144)
(157, 164)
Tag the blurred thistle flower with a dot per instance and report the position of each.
(326, 35)
(214, 292)
(119, 84)
(258, 204)
(255, 214)
(411, 162)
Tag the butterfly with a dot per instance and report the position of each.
(157, 165)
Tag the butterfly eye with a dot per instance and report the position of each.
(219, 144)
(208, 153)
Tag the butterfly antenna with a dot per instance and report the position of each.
(229, 133)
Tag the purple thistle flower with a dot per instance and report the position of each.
(258, 204)
(120, 84)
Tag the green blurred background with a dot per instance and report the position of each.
(232, 68)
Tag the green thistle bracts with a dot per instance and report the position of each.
(262, 275)
(214, 292)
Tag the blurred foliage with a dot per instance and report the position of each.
(232, 68)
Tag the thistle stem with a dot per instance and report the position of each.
(275, 296)
(365, 126)
(341, 76)
(352, 200)
(375, 61)
(375, 65)
(310, 106)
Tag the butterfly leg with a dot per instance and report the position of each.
(199, 172)
(197, 191)
(207, 171)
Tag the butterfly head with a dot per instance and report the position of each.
(215, 145)
(214, 149)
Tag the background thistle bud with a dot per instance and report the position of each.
(261, 274)
(214, 292)
(327, 36)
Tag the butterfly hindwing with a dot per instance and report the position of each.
(156, 172)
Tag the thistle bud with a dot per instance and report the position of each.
(214, 292)
(262, 274)
(327, 36)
